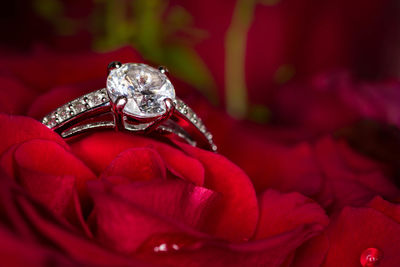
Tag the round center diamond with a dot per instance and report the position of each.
(145, 88)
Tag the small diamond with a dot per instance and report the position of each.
(63, 114)
(52, 121)
(79, 107)
(145, 88)
(202, 128)
(95, 100)
(184, 110)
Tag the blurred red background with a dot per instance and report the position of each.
(256, 45)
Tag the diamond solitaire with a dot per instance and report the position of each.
(144, 87)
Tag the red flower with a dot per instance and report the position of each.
(113, 198)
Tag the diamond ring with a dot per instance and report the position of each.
(137, 98)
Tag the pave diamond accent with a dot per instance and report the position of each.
(75, 107)
(145, 88)
(187, 112)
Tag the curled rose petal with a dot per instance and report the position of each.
(237, 217)
(99, 150)
(17, 129)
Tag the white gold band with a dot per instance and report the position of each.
(93, 111)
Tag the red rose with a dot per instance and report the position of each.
(111, 198)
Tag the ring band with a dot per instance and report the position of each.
(107, 108)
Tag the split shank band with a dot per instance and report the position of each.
(138, 98)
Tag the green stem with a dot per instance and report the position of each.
(235, 55)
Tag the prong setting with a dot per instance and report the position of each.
(163, 69)
(169, 106)
(169, 111)
(118, 112)
(113, 65)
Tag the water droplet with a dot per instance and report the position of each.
(171, 242)
(371, 257)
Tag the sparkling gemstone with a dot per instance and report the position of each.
(145, 88)
(79, 107)
(63, 114)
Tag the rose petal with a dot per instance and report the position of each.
(237, 217)
(17, 129)
(99, 149)
(12, 247)
(75, 246)
(281, 213)
(265, 161)
(353, 182)
(357, 229)
(127, 215)
(123, 226)
(389, 209)
(276, 173)
(7, 161)
(181, 165)
(43, 165)
(137, 164)
(53, 191)
(356, 161)
(312, 253)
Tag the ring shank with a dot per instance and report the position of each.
(93, 111)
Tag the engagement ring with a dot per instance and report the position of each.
(137, 98)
